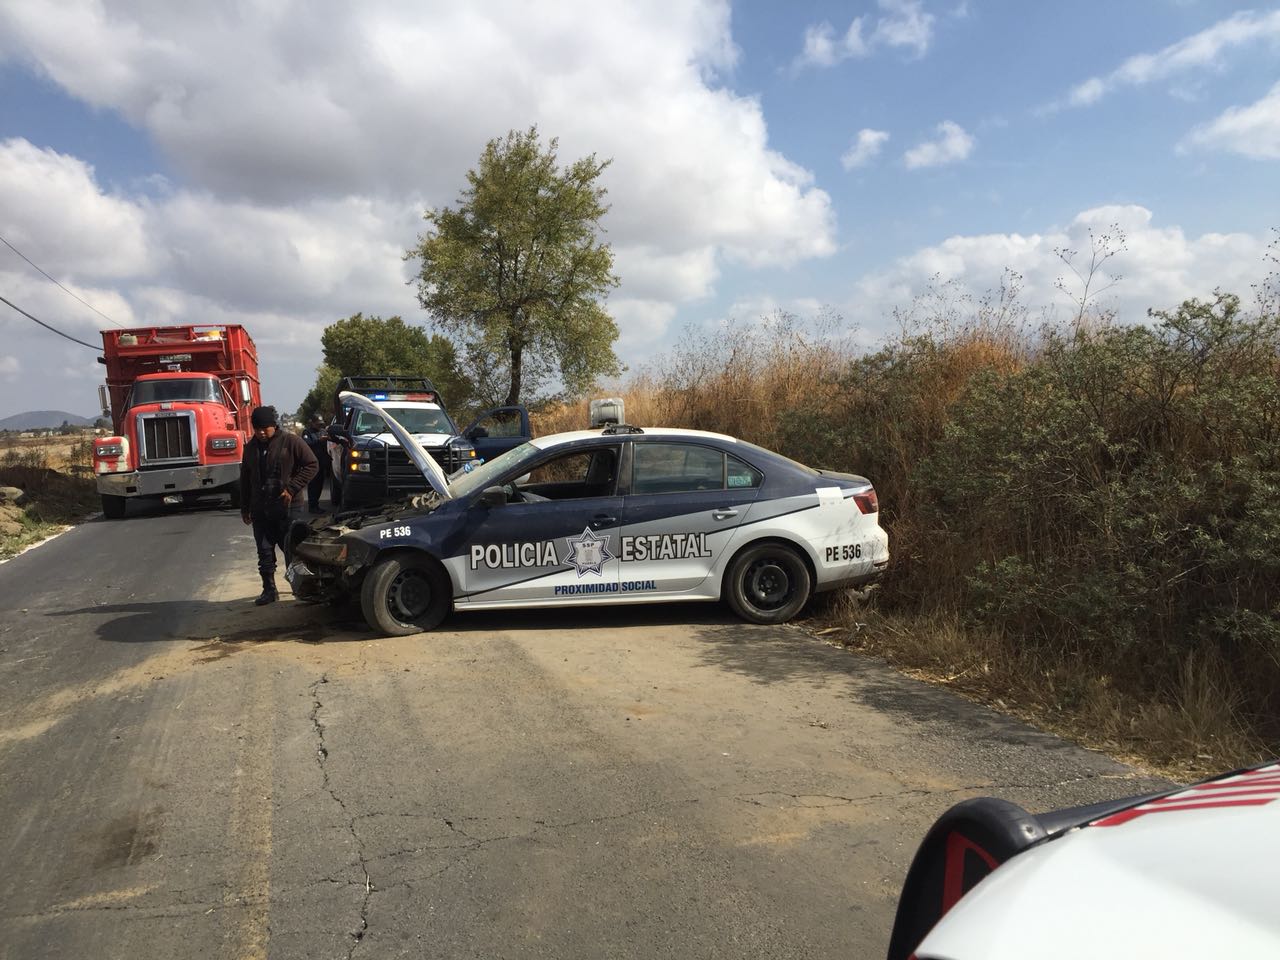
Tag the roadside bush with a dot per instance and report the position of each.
(1117, 497)
(1096, 506)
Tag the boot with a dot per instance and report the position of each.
(268, 594)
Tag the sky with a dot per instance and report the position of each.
(268, 162)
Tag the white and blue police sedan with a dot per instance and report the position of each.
(611, 516)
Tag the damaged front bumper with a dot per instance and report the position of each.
(325, 564)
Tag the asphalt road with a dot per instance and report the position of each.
(185, 775)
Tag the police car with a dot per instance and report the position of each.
(611, 516)
(1189, 873)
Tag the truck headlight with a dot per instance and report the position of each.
(223, 443)
(106, 450)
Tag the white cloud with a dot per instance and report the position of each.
(9, 367)
(306, 148)
(55, 213)
(1252, 131)
(952, 145)
(865, 148)
(904, 25)
(1159, 267)
(642, 325)
(421, 88)
(907, 26)
(1198, 52)
(822, 49)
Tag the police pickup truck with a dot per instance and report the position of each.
(369, 464)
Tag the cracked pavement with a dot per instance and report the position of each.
(185, 775)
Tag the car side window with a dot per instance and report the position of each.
(575, 476)
(676, 468)
(501, 423)
(739, 475)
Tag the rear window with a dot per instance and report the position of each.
(676, 468)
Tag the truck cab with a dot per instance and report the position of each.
(179, 400)
(369, 466)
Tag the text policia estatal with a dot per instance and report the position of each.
(666, 546)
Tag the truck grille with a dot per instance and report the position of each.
(404, 477)
(166, 439)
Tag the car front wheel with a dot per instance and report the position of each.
(767, 583)
(405, 594)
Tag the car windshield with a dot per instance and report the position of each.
(488, 473)
(413, 419)
(195, 389)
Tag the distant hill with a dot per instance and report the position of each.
(36, 419)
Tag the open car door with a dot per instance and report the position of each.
(498, 430)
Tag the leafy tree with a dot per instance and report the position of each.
(517, 273)
(369, 346)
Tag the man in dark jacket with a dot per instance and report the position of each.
(275, 468)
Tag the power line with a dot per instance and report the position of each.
(46, 326)
(37, 266)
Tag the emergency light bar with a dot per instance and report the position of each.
(385, 388)
(409, 397)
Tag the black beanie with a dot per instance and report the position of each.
(263, 417)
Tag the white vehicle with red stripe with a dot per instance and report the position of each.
(1191, 873)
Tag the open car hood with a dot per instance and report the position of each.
(421, 459)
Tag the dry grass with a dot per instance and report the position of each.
(734, 382)
(1195, 728)
(812, 395)
(56, 474)
(70, 454)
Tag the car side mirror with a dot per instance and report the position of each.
(493, 497)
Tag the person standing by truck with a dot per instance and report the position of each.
(275, 468)
(317, 438)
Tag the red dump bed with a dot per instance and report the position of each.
(226, 351)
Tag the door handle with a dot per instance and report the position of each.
(724, 514)
(602, 520)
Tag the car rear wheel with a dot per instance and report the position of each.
(768, 583)
(405, 594)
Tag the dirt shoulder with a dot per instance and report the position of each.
(49, 502)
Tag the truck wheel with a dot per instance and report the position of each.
(113, 507)
(405, 594)
(767, 583)
(234, 493)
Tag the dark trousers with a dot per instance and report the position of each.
(269, 532)
(315, 488)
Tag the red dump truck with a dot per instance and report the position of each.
(179, 400)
